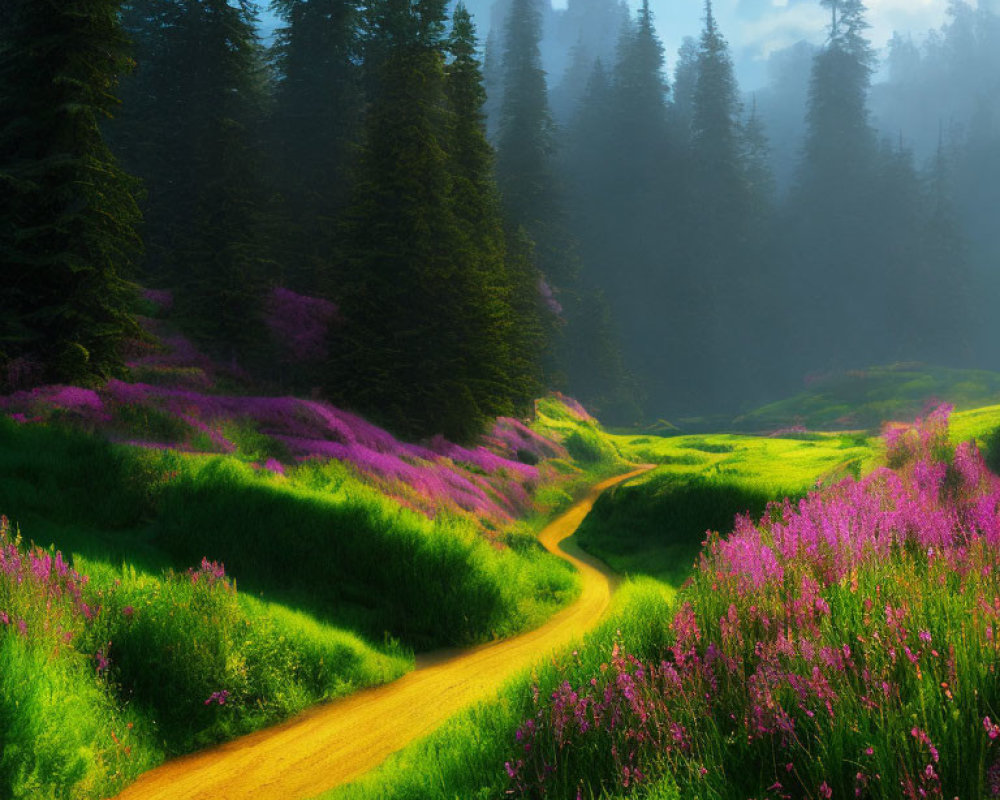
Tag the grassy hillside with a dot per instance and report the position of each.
(143, 505)
(655, 525)
(864, 399)
(610, 718)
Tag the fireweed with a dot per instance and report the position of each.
(492, 481)
(842, 646)
(41, 596)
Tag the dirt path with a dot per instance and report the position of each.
(335, 743)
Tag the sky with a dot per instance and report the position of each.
(756, 28)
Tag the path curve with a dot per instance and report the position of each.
(338, 742)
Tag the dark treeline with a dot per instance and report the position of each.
(646, 238)
(348, 162)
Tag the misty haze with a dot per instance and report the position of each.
(487, 399)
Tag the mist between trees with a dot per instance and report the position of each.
(635, 232)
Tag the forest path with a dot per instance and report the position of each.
(335, 743)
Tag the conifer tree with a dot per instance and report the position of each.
(500, 382)
(225, 267)
(68, 214)
(314, 121)
(401, 355)
(685, 81)
(945, 322)
(526, 146)
(717, 249)
(191, 134)
(645, 171)
(833, 233)
(592, 176)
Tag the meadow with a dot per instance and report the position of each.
(704, 684)
(187, 559)
(133, 510)
(865, 398)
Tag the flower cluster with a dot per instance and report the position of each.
(210, 574)
(492, 480)
(41, 596)
(300, 323)
(843, 646)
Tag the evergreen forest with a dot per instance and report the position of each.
(470, 229)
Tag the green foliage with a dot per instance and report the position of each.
(465, 757)
(188, 129)
(68, 213)
(320, 540)
(317, 109)
(55, 736)
(177, 643)
(440, 330)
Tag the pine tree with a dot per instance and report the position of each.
(225, 269)
(685, 81)
(314, 121)
(719, 262)
(641, 208)
(526, 147)
(592, 175)
(499, 382)
(400, 356)
(833, 233)
(945, 324)
(191, 134)
(68, 214)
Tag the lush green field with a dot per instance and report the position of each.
(328, 564)
(867, 398)
(159, 655)
(655, 526)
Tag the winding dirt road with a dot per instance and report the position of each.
(335, 743)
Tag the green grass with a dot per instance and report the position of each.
(867, 398)
(328, 544)
(326, 565)
(655, 525)
(464, 759)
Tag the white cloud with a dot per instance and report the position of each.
(756, 28)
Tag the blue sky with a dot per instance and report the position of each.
(755, 28)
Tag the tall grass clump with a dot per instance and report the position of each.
(843, 646)
(206, 665)
(60, 733)
(102, 677)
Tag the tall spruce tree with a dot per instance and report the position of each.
(719, 261)
(685, 81)
(831, 220)
(189, 129)
(402, 354)
(68, 214)
(224, 272)
(945, 283)
(314, 121)
(526, 146)
(640, 281)
(500, 382)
